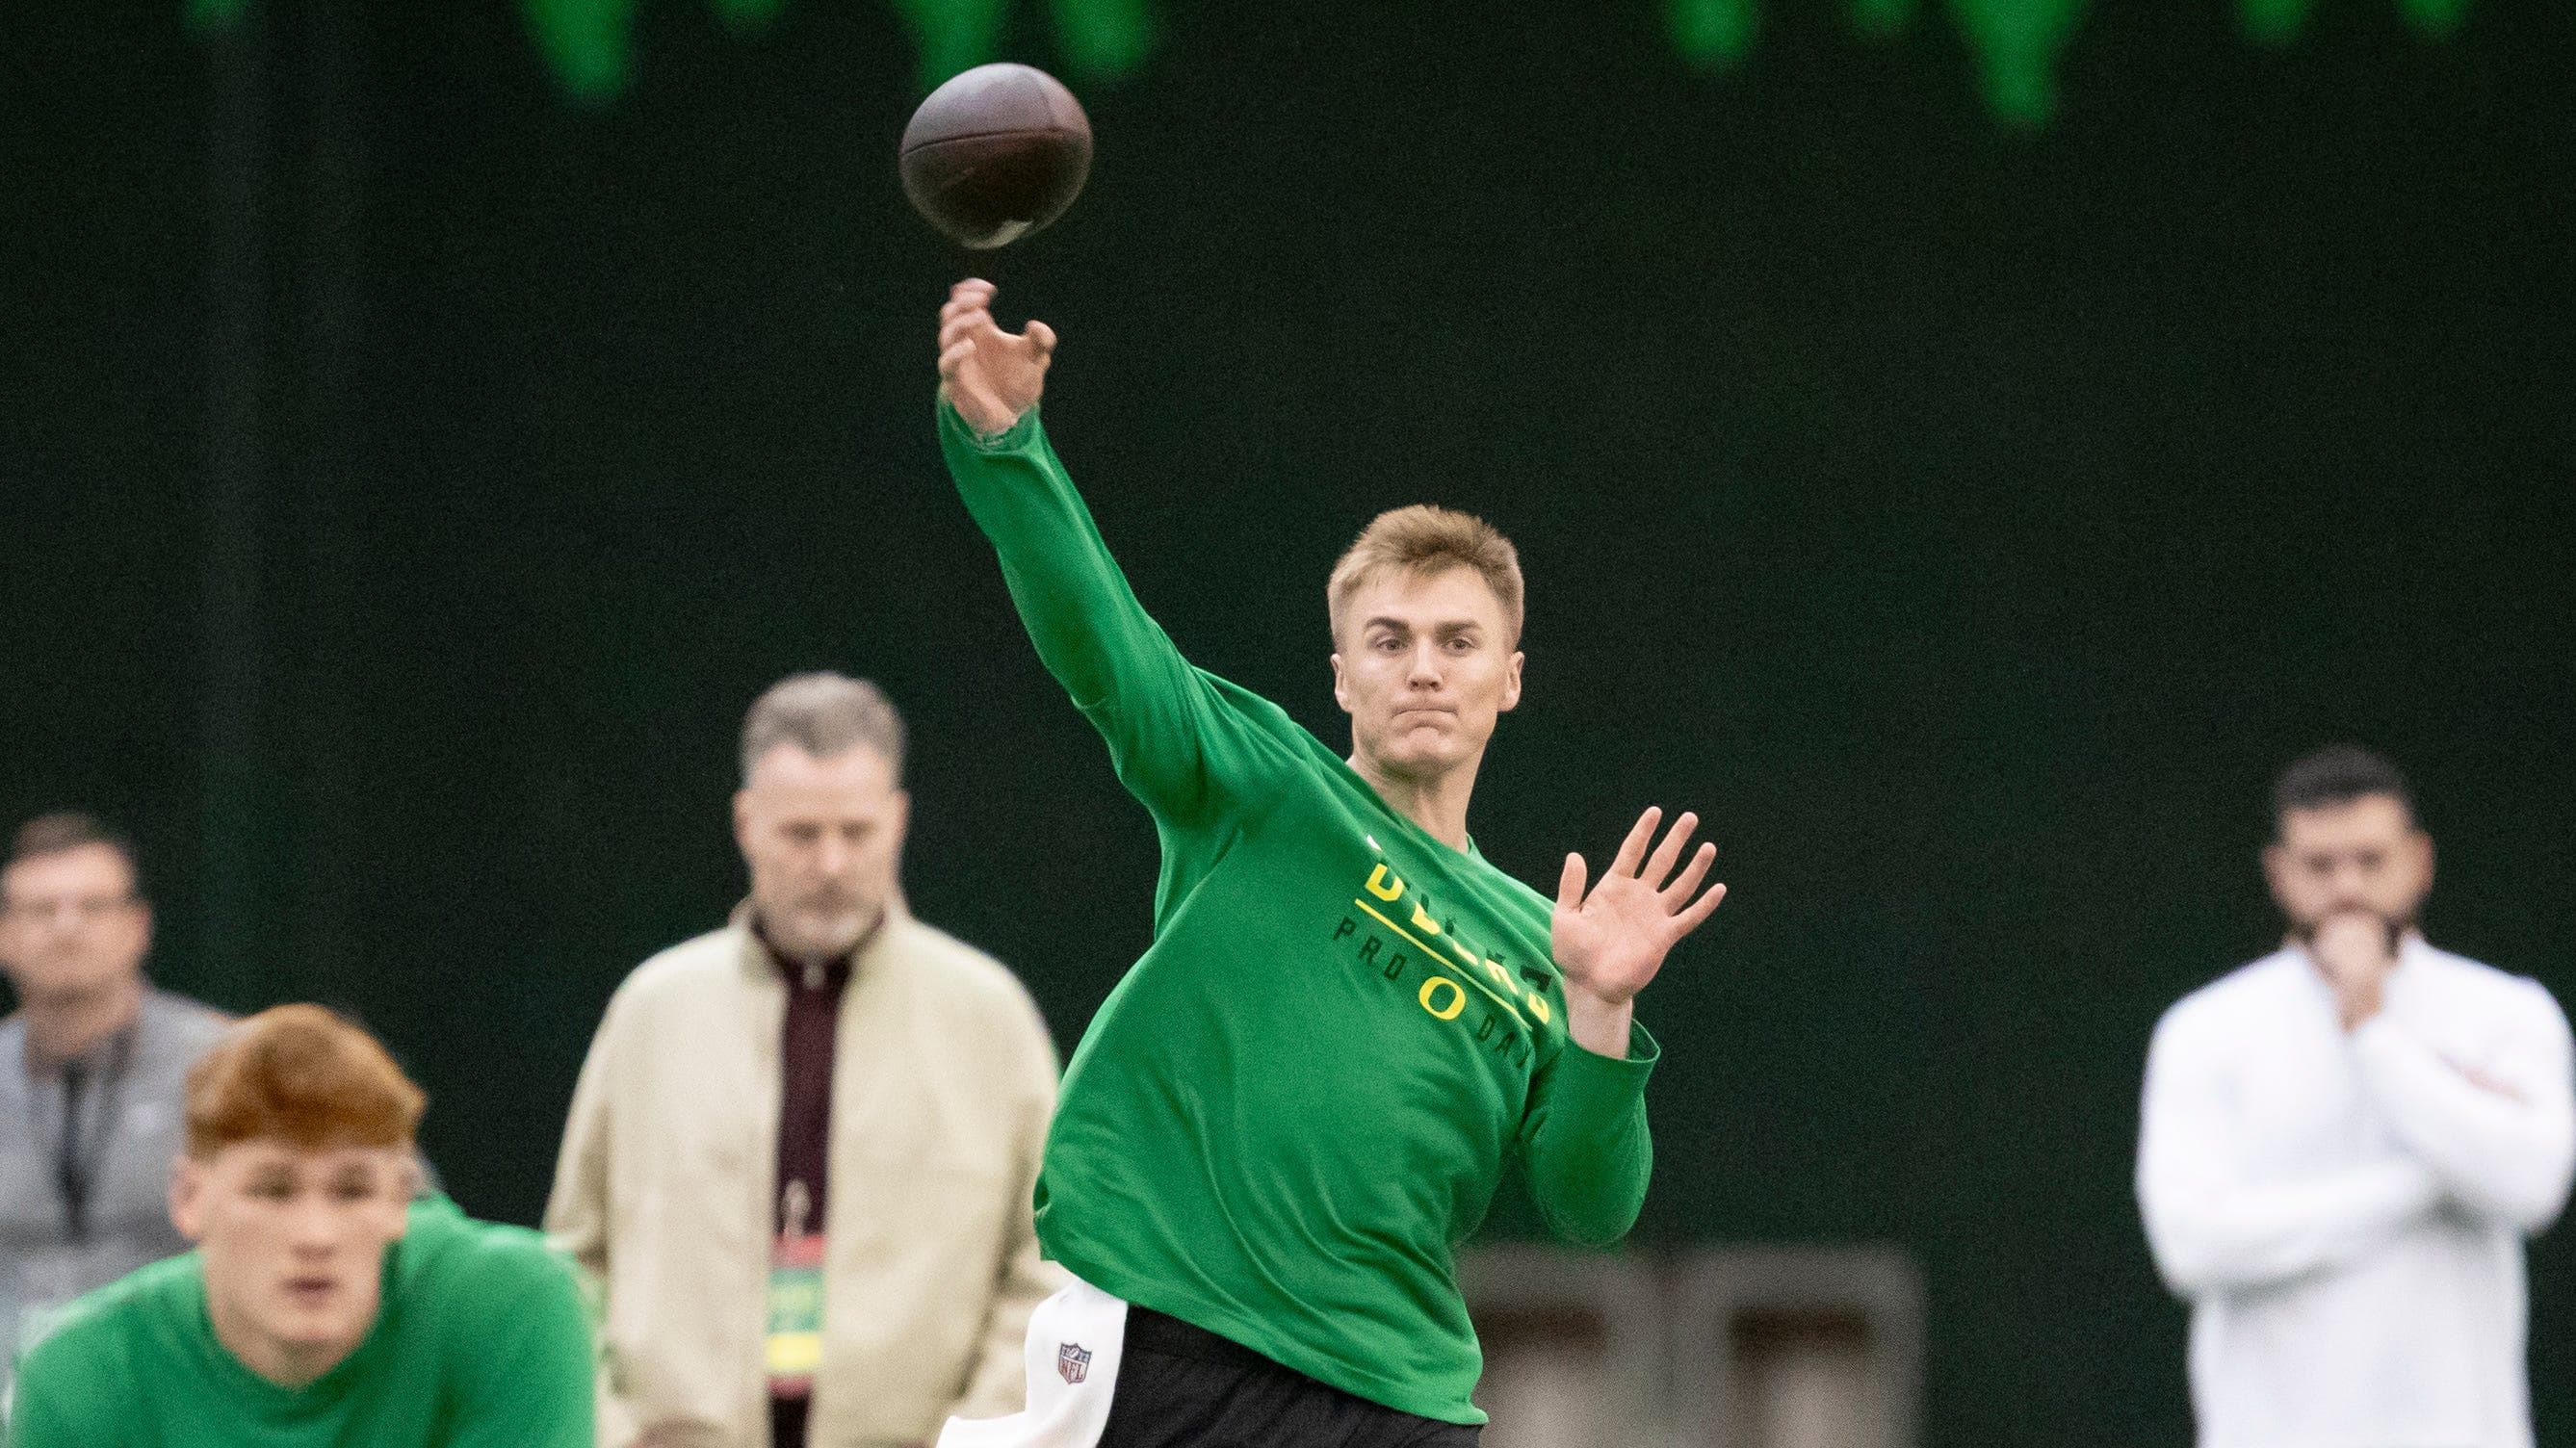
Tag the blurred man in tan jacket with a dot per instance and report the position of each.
(800, 1157)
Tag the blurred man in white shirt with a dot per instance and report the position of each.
(2344, 1144)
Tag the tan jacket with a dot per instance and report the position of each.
(943, 1080)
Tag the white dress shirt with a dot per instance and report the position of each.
(2345, 1211)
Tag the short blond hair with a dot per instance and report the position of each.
(1424, 541)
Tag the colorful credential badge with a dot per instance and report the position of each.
(795, 1346)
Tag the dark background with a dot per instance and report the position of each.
(408, 478)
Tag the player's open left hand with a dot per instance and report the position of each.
(1609, 941)
(991, 376)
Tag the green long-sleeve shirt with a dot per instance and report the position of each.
(1299, 1102)
(480, 1342)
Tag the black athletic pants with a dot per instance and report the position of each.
(1185, 1387)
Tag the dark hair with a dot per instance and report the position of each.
(68, 830)
(2335, 775)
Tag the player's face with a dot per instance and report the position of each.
(824, 840)
(1424, 667)
(2364, 855)
(294, 1246)
(71, 925)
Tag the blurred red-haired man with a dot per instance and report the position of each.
(323, 1305)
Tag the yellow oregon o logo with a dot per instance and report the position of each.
(1457, 998)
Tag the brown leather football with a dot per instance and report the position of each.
(996, 153)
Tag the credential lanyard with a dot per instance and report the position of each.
(77, 1158)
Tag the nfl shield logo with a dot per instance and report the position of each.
(1072, 1362)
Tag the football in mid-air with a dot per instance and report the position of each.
(996, 153)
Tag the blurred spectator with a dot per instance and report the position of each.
(801, 1153)
(2344, 1144)
(93, 1068)
(323, 1306)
